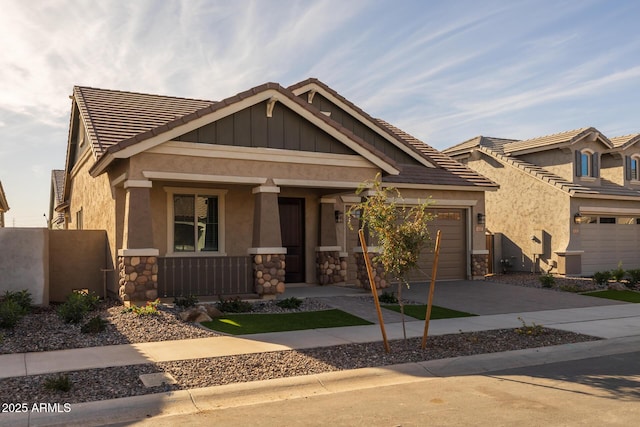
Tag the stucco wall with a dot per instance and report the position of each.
(524, 207)
(559, 162)
(77, 259)
(612, 168)
(24, 262)
(96, 198)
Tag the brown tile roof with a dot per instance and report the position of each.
(478, 141)
(625, 141)
(550, 141)
(117, 119)
(113, 116)
(446, 172)
(104, 115)
(342, 99)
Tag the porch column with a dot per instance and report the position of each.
(138, 259)
(331, 262)
(268, 255)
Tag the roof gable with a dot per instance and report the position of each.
(556, 140)
(268, 93)
(378, 135)
(626, 141)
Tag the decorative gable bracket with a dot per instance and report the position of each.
(271, 102)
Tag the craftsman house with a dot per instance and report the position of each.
(246, 194)
(568, 203)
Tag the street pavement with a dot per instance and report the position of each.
(500, 306)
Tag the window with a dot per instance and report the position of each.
(195, 221)
(587, 164)
(633, 162)
(607, 220)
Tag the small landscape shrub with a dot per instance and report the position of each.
(601, 277)
(22, 298)
(618, 273)
(10, 313)
(77, 305)
(235, 305)
(547, 280)
(634, 276)
(388, 298)
(532, 330)
(58, 383)
(185, 302)
(290, 303)
(150, 309)
(96, 325)
(569, 288)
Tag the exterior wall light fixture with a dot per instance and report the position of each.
(481, 218)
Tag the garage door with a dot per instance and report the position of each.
(606, 241)
(452, 264)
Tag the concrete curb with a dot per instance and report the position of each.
(234, 395)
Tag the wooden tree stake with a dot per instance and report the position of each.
(431, 289)
(374, 291)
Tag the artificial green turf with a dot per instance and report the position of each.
(419, 311)
(254, 323)
(628, 296)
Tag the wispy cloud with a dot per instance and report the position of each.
(444, 71)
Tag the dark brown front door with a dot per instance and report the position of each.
(292, 228)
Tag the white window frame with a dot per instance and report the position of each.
(591, 173)
(210, 192)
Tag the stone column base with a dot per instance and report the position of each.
(331, 267)
(479, 265)
(268, 274)
(362, 277)
(138, 275)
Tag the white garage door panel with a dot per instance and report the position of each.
(605, 245)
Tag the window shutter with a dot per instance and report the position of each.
(595, 159)
(578, 163)
(627, 167)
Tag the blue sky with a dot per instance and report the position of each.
(444, 71)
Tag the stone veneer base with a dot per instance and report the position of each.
(330, 267)
(479, 265)
(362, 277)
(268, 274)
(138, 278)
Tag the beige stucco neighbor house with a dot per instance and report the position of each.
(56, 199)
(4, 205)
(568, 203)
(244, 195)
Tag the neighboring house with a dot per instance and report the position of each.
(249, 193)
(56, 200)
(568, 203)
(4, 206)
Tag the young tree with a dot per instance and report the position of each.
(400, 231)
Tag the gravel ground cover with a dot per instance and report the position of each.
(44, 331)
(116, 382)
(569, 284)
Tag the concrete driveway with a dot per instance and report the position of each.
(478, 296)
